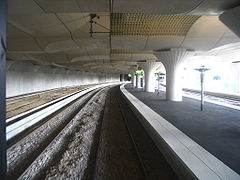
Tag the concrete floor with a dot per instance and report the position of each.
(217, 128)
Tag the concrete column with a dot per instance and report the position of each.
(133, 79)
(149, 68)
(133, 75)
(121, 77)
(3, 50)
(138, 83)
(173, 60)
(231, 19)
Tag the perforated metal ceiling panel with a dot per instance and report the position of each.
(136, 24)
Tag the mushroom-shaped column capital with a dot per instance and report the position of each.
(173, 56)
(173, 59)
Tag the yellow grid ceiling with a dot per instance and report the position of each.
(136, 24)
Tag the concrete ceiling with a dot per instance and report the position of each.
(56, 32)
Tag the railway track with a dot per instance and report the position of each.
(224, 99)
(34, 149)
(39, 108)
(22, 103)
(125, 149)
(134, 143)
(229, 100)
(24, 122)
(87, 139)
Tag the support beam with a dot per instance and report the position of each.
(231, 19)
(149, 68)
(3, 8)
(173, 60)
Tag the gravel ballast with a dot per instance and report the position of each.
(68, 154)
(25, 151)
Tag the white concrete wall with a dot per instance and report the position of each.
(23, 78)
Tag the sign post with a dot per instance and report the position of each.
(202, 70)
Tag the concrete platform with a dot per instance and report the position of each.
(217, 128)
